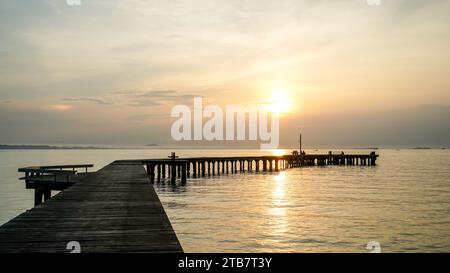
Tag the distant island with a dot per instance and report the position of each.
(47, 147)
(422, 148)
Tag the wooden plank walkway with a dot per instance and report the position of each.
(114, 209)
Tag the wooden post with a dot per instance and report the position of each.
(173, 173)
(194, 170)
(183, 173)
(37, 197)
(47, 194)
(158, 169)
(152, 173)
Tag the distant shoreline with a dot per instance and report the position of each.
(156, 146)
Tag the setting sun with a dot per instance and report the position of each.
(279, 102)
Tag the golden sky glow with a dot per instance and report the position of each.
(119, 66)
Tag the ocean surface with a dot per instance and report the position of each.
(403, 203)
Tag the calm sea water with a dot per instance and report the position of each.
(403, 203)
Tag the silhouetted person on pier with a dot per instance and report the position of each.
(173, 156)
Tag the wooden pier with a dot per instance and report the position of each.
(160, 169)
(116, 209)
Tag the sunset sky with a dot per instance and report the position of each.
(108, 72)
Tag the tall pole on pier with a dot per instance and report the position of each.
(300, 141)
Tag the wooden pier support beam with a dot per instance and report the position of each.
(173, 173)
(183, 173)
(40, 194)
(151, 172)
(158, 169)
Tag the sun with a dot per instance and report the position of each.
(279, 102)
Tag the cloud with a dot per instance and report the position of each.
(167, 95)
(144, 103)
(153, 97)
(136, 98)
(92, 100)
(161, 94)
(146, 117)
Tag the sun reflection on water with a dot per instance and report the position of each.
(277, 211)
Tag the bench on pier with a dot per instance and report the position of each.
(44, 179)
